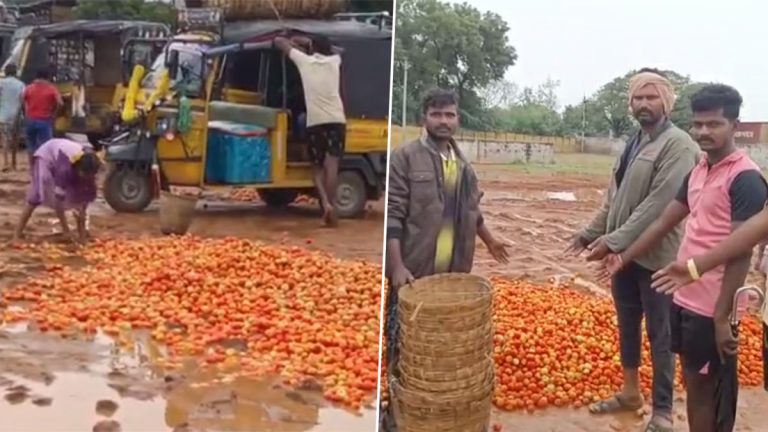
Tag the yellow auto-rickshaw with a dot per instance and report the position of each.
(238, 84)
(86, 61)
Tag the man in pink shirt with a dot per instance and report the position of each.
(724, 189)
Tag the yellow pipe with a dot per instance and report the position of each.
(130, 113)
(162, 89)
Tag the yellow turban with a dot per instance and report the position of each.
(661, 84)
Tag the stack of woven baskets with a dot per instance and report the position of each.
(444, 375)
(235, 10)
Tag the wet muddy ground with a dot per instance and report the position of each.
(536, 210)
(62, 385)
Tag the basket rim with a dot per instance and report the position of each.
(403, 294)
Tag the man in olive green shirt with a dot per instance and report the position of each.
(645, 178)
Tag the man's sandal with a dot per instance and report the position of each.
(615, 404)
(652, 426)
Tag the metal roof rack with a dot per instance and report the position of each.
(199, 19)
(381, 19)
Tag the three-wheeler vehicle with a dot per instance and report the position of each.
(86, 60)
(223, 111)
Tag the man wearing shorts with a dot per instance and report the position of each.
(41, 100)
(721, 192)
(320, 71)
(11, 89)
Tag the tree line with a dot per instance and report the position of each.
(458, 46)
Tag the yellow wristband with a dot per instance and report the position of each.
(692, 270)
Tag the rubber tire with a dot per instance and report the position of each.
(113, 189)
(278, 198)
(351, 195)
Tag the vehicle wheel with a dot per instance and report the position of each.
(278, 197)
(127, 189)
(351, 195)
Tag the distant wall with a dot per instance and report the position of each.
(502, 147)
(507, 152)
(559, 144)
(606, 146)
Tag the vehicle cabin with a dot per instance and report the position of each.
(85, 59)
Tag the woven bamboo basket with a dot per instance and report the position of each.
(417, 335)
(458, 323)
(237, 10)
(445, 376)
(443, 373)
(431, 356)
(464, 410)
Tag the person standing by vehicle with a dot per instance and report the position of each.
(11, 90)
(63, 178)
(645, 179)
(433, 209)
(326, 122)
(41, 101)
(724, 189)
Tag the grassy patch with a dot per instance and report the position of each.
(565, 163)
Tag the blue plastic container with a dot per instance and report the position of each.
(238, 159)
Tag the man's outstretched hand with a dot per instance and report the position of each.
(597, 250)
(609, 266)
(577, 246)
(498, 250)
(401, 276)
(671, 278)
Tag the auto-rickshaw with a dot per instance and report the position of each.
(86, 61)
(239, 84)
(6, 40)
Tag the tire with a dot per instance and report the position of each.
(278, 198)
(351, 195)
(128, 189)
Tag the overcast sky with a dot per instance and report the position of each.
(585, 43)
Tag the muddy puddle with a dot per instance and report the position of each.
(49, 383)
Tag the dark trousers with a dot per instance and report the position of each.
(38, 132)
(633, 298)
(391, 329)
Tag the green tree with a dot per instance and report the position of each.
(453, 46)
(131, 10)
(533, 111)
(583, 118)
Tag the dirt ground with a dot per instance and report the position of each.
(519, 207)
(82, 386)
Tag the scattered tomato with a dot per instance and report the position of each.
(555, 346)
(297, 313)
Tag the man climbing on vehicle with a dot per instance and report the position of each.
(433, 211)
(326, 123)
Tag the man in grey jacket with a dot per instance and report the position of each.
(644, 180)
(433, 210)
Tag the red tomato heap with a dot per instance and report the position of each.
(555, 346)
(293, 312)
